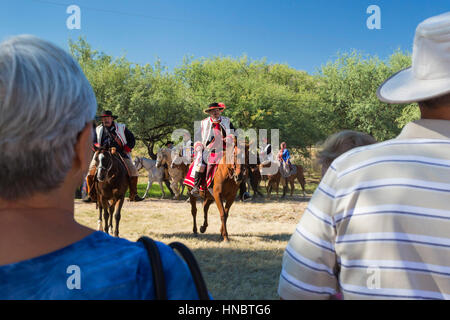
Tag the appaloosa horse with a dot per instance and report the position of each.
(154, 173)
(231, 172)
(111, 183)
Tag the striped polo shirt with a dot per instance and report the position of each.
(378, 225)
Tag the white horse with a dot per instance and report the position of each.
(154, 173)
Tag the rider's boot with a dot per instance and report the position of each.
(133, 190)
(197, 180)
(90, 187)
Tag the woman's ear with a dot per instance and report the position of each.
(83, 148)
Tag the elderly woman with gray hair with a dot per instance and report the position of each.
(47, 106)
(339, 143)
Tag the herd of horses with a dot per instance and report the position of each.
(112, 182)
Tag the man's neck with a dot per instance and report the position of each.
(438, 113)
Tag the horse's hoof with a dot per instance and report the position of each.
(202, 229)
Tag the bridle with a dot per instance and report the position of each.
(233, 169)
(139, 163)
(101, 164)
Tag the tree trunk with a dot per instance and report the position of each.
(149, 146)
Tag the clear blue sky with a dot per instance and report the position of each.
(302, 33)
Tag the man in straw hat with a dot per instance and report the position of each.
(378, 225)
(113, 134)
(212, 136)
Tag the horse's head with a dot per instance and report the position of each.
(177, 158)
(138, 163)
(160, 158)
(105, 163)
(237, 169)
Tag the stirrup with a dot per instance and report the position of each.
(195, 192)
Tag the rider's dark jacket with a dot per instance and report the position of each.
(108, 141)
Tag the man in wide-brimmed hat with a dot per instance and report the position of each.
(378, 224)
(214, 133)
(113, 134)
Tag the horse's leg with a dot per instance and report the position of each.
(223, 229)
(112, 208)
(117, 216)
(163, 193)
(285, 186)
(301, 180)
(206, 203)
(269, 189)
(99, 221)
(193, 202)
(228, 204)
(149, 184)
(105, 205)
(292, 181)
(176, 189)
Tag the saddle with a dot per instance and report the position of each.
(288, 170)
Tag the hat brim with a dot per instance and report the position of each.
(211, 109)
(403, 88)
(100, 117)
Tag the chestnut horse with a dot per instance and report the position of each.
(289, 175)
(227, 179)
(111, 183)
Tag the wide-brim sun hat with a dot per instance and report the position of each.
(429, 75)
(107, 114)
(214, 106)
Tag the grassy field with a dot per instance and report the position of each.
(247, 267)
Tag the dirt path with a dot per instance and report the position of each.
(247, 267)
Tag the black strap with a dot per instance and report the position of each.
(188, 256)
(157, 268)
(158, 272)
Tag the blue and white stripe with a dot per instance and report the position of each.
(393, 209)
(395, 237)
(307, 262)
(394, 293)
(314, 239)
(305, 286)
(396, 159)
(322, 216)
(383, 183)
(401, 265)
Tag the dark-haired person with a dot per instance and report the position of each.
(47, 108)
(377, 226)
(114, 134)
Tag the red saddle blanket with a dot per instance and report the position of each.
(210, 172)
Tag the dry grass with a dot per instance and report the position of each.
(248, 267)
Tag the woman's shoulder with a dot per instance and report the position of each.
(97, 267)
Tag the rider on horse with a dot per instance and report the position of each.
(284, 156)
(212, 136)
(113, 134)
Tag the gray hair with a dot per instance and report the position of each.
(341, 142)
(45, 102)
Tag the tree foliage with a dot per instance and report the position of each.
(153, 102)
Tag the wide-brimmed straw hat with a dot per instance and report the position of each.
(429, 75)
(213, 106)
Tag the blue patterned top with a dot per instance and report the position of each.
(97, 267)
